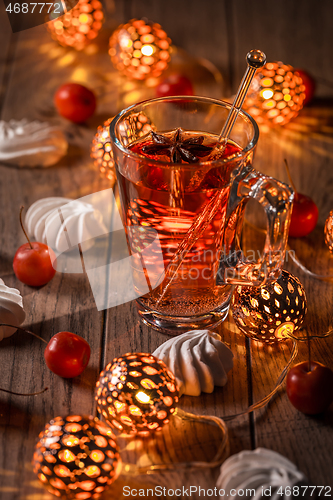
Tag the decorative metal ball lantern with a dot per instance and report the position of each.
(140, 49)
(79, 26)
(137, 394)
(329, 232)
(270, 312)
(137, 125)
(276, 94)
(76, 457)
(101, 151)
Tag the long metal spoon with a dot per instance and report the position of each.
(255, 59)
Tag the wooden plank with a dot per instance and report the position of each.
(66, 303)
(296, 34)
(125, 333)
(5, 40)
(63, 308)
(304, 440)
(307, 144)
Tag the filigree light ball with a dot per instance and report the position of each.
(137, 125)
(276, 94)
(137, 394)
(140, 49)
(329, 232)
(101, 151)
(77, 457)
(270, 312)
(79, 26)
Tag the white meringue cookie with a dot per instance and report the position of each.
(198, 359)
(258, 470)
(11, 309)
(62, 223)
(31, 144)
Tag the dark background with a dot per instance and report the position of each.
(296, 32)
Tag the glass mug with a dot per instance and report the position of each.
(183, 221)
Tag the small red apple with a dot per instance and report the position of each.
(174, 84)
(67, 354)
(310, 392)
(304, 216)
(34, 263)
(75, 102)
(309, 84)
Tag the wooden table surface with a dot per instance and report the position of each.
(32, 67)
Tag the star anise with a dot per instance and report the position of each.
(188, 150)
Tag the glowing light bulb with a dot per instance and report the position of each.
(142, 397)
(284, 330)
(137, 405)
(267, 94)
(271, 312)
(276, 94)
(83, 18)
(140, 49)
(88, 472)
(147, 50)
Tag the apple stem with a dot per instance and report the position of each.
(309, 350)
(290, 179)
(25, 394)
(81, 257)
(24, 330)
(22, 226)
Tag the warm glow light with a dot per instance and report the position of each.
(78, 479)
(140, 49)
(101, 152)
(79, 25)
(134, 410)
(119, 406)
(83, 18)
(142, 397)
(147, 50)
(329, 232)
(70, 441)
(148, 384)
(62, 471)
(275, 95)
(267, 94)
(271, 312)
(284, 330)
(269, 104)
(67, 456)
(145, 404)
(266, 82)
(97, 456)
(92, 471)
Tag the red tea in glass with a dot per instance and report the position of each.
(179, 187)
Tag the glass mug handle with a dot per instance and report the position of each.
(276, 199)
